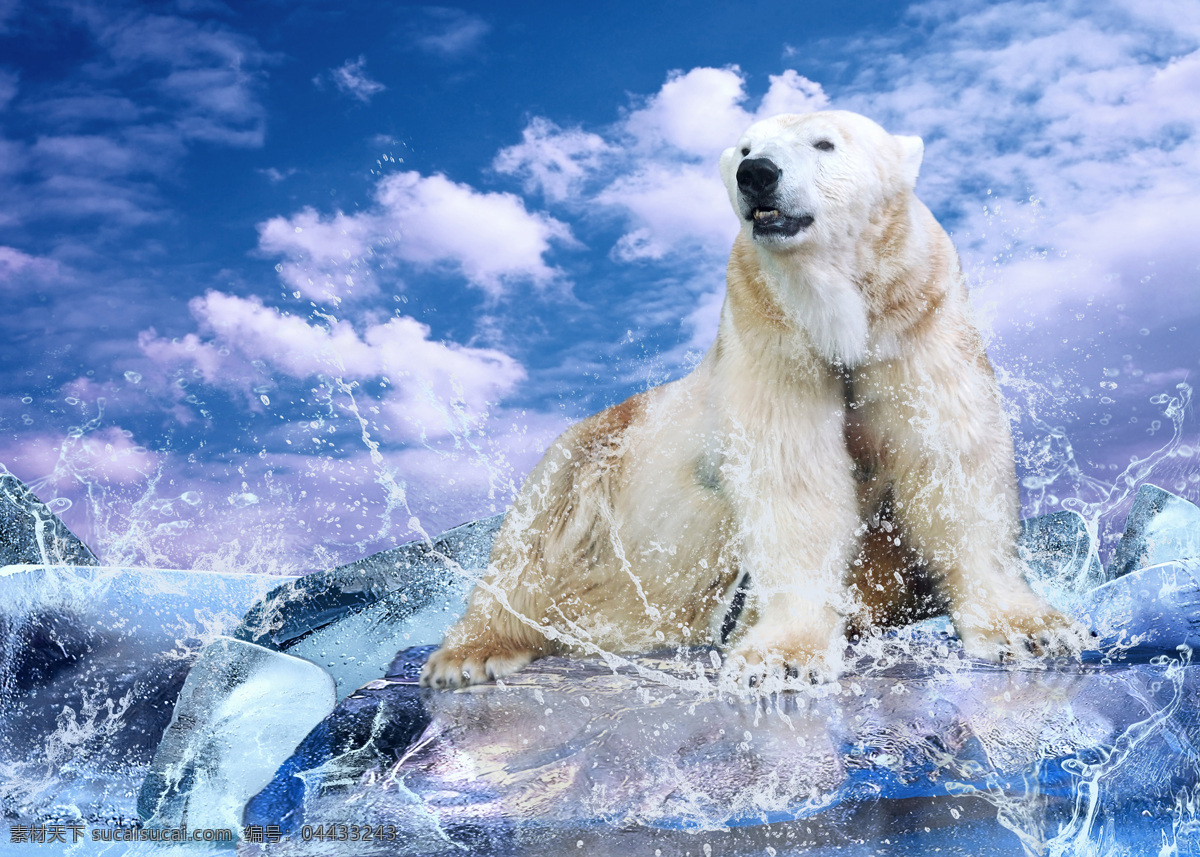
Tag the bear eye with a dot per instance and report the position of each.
(745, 151)
(823, 145)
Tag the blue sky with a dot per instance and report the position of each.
(289, 283)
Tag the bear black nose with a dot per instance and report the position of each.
(757, 176)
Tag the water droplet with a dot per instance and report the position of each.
(133, 377)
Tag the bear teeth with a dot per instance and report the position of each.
(759, 214)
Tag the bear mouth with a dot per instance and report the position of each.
(771, 223)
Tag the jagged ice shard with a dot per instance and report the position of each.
(91, 662)
(916, 749)
(228, 721)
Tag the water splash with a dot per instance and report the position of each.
(1053, 478)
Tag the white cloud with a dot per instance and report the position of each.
(92, 154)
(275, 175)
(68, 112)
(206, 69)
(450, 33)
(492, 239)
(671, 207)
(701, 112)
(704, 318)
(1140, 251)
(75, 197)
(791, 92)
(1072, 112)
(351, 79)
(698, 112)
(105, 130)
(108, 455)
(323, 257)
(433, 389)
(551, 160)
(220, 106)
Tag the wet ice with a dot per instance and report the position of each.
(916, 745)
(1059, 555)
(353, 618)
(568, 746)
(31, 533)
(91, 662)
(241, 712)
(1161, 527)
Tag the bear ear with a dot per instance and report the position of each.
(912, 149)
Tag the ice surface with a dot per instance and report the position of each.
(645, 757)
(370, 729)
(31, 534)
(352, 619)
(1156, 607)
(358, 647)
(1160, 527)
(242, 711)
(423, 572)
(91, 661)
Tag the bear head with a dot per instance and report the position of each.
(814, 179)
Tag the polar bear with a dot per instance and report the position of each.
(842, 447)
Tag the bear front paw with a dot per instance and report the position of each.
(450, 667)
(1032, 631)
(768, 663)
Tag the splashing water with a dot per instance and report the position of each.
(1053, 478)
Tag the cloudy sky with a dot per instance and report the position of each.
(287, 283)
